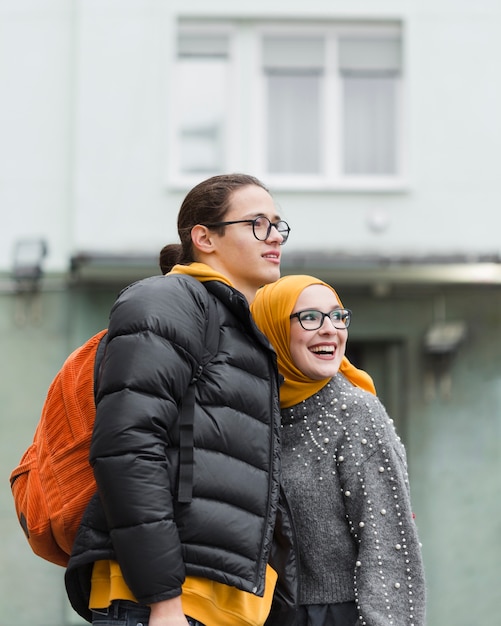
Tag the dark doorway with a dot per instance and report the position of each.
(384, 361)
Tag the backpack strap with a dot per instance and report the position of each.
(101, 347)
(186, 417)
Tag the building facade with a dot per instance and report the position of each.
(375, 125)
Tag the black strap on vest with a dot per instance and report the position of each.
(186, 417)
(101, 348)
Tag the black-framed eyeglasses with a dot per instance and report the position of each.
(311, 319)
(261, 227)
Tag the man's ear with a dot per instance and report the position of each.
(202, 240)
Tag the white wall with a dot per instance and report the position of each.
(36, 64)
(85, 105)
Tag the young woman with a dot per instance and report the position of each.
(144, 554)
(344, 468)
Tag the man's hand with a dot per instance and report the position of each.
(168, 613)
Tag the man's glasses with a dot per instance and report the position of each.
(261, 227)
(311, 319)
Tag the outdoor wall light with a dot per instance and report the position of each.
(444, 337)
(27, 265)
(441, 344)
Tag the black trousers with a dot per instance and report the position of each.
(342, 614)
(126, 613)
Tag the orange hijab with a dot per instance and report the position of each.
(271, 309)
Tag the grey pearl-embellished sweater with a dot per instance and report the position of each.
(345, 474)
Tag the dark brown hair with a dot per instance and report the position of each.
(207, 202)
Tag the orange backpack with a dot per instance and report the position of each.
(54, 482)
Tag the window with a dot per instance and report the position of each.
(201, 83)
(310, 105)
(369, 70)
(293, 69)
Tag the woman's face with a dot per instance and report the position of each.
(317, 353)
(247, 262)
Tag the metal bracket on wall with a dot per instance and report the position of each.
(27, 273)
(441, 343)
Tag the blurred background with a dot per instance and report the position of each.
(375, 124)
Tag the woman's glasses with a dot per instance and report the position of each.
(311, 319)
(261, 227)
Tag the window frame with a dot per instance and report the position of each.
(246, 141)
